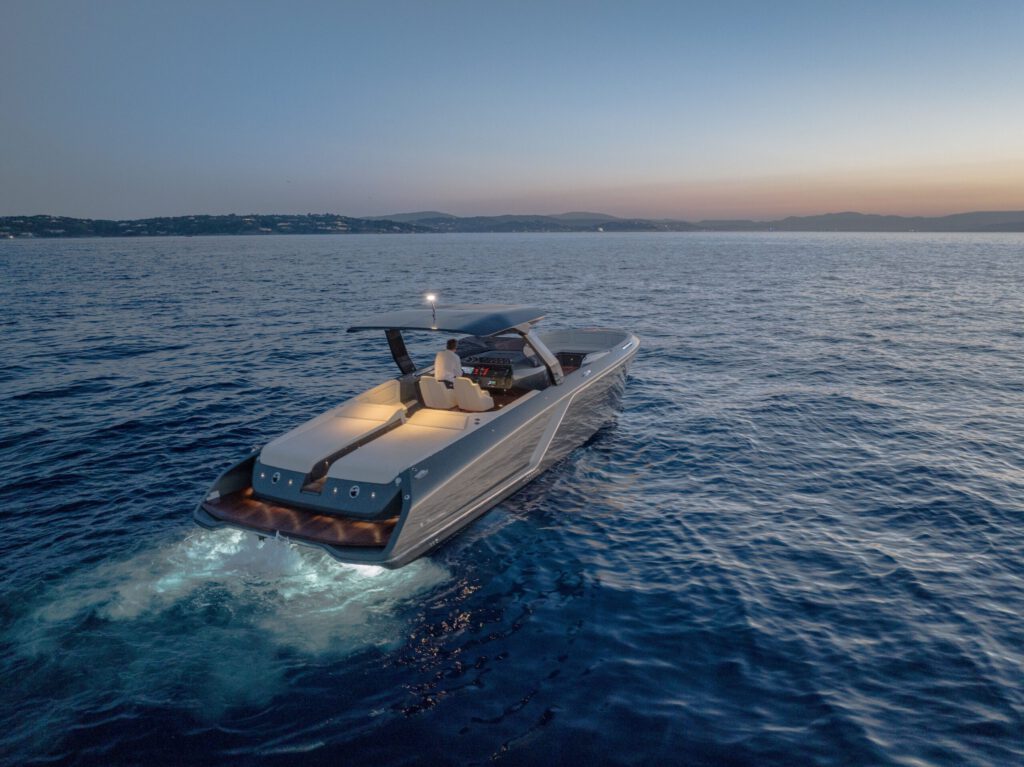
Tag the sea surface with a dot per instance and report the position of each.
(802, 543)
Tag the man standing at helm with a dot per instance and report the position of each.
(447, 365)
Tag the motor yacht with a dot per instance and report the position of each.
(396, 470)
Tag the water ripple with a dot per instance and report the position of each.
(799, 544)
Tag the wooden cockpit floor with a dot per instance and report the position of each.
(503, 398)
(243, 509)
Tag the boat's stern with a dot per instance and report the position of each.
(234, 501)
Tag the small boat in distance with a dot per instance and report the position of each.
(396, 470)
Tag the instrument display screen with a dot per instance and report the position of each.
(499, 363)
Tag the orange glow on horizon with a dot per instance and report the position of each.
(935, 191)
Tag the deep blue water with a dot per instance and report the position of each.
(801, 543)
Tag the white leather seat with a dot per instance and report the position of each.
(436, 394)
(471, 397)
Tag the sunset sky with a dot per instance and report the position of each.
(683, 110)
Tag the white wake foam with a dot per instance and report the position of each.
(218, 619)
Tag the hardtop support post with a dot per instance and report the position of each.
(399, 352)
(550, 360)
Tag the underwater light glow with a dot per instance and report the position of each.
(368, 571)
(284, 600)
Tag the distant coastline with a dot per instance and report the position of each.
(45, 226)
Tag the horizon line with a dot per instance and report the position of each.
(390, 216)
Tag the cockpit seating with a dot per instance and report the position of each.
(471, 397)
(436, 394)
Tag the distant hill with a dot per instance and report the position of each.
(531, 222)
(580, 216)
(412, 218)
(734, 225)
(434, 221)
(978, 221)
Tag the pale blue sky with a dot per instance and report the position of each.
(125, 109)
